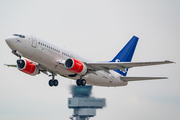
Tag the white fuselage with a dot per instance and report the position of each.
(49, 55)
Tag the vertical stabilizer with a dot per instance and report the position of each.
(126, 54)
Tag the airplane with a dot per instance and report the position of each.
(40, 56)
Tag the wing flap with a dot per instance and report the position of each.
(141, 78)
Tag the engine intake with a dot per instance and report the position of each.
(27, 67)
(75, 66)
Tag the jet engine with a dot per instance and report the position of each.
(27, 67)
(75, 66)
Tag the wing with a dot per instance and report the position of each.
(106, 66)
(41, 67)
(11, 65)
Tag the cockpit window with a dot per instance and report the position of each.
(21, 36)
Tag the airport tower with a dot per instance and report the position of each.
(83, 103)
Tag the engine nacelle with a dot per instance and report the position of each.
(75, 66)
(27, 66)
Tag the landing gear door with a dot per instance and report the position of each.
(34, 41)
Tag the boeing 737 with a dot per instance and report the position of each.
(39, 56)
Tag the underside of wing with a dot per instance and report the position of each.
(121, 65)
(141, 78)
(41, 68)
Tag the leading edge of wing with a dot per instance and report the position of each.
(141, 78)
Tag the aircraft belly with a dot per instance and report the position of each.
(100, 80)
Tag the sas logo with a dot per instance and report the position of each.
(19, 41)
(117, 60)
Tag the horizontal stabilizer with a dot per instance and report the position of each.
(141, 78)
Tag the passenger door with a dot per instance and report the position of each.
(34, 41)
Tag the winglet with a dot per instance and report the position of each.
(167, 61)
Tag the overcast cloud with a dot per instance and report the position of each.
(96, 29)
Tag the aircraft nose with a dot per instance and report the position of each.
(10, 41)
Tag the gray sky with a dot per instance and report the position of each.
(96, 29)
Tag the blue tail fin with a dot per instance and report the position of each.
(125, 55)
